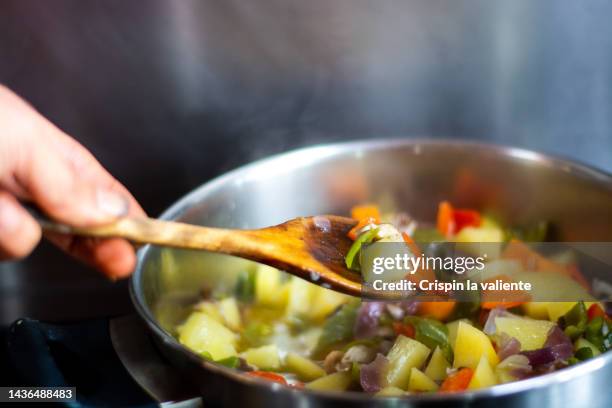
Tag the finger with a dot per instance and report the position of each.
(19, 232)
(114, 257)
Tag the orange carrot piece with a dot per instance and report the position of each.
(360, 212)
(439, 310)
(405, 329)
(446, 221)
(458, 381)
(362, 223)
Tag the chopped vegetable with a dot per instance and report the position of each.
(304, 368)
(339, 381)
(405, 354)
(470, 345)
(352, 256)
(531, 333)
(201, 333)
(446, 222)
(338, 328)
(420, 382)
(264, 358)
(457, 381)
(405, 329)
(595, 311)
(354, 232)
(483, 376)
(574, 322)
(373, 376)
(433, 334)
(361, 212)
(439, 310)
(437, 366)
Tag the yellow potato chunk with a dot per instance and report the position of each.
(264, 358)
(339, 381)
(405, 354)
(484, 376)
(420, 382)
(470, 345)
(228, 308)
(324, 302)
(436, 368)
(304, 368)
(530, 332)
(452, 329)
(202, 333)
(268, 287)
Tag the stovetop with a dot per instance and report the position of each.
(111, 362)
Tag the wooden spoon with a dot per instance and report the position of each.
(312, 248)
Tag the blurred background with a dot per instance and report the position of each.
(168, 94)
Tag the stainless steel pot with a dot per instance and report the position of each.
(411, 175)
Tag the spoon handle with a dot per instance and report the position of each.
(143, 230)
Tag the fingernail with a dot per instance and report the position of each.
(112, 203)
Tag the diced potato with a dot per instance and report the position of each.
(420, 382)
(558, 309)
(228, 308)
(390, 392)
(472, 237)
(211, 309)
(530, 332)
(484, 376)
(470, 345)
(304, 368)
(264, 358)
(202, 333)
(582, 342)
(324, 302)
(436, 368)
(268, 286)
(300, 297)
(405, 354)
(339, 381)
(452, 329)
(536, 310)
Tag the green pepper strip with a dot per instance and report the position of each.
(352, 258)
(575, 321)
(433, 334)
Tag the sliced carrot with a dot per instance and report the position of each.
(362, 223)
(439, 310)
(458, 381)
(446, 221)
(405, 329)
(505, 299)
(594, 311)
(360, 212)
(267, 375)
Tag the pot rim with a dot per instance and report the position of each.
(295, 158)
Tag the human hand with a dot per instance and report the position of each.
(41, 164)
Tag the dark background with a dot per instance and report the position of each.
(168, 94)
